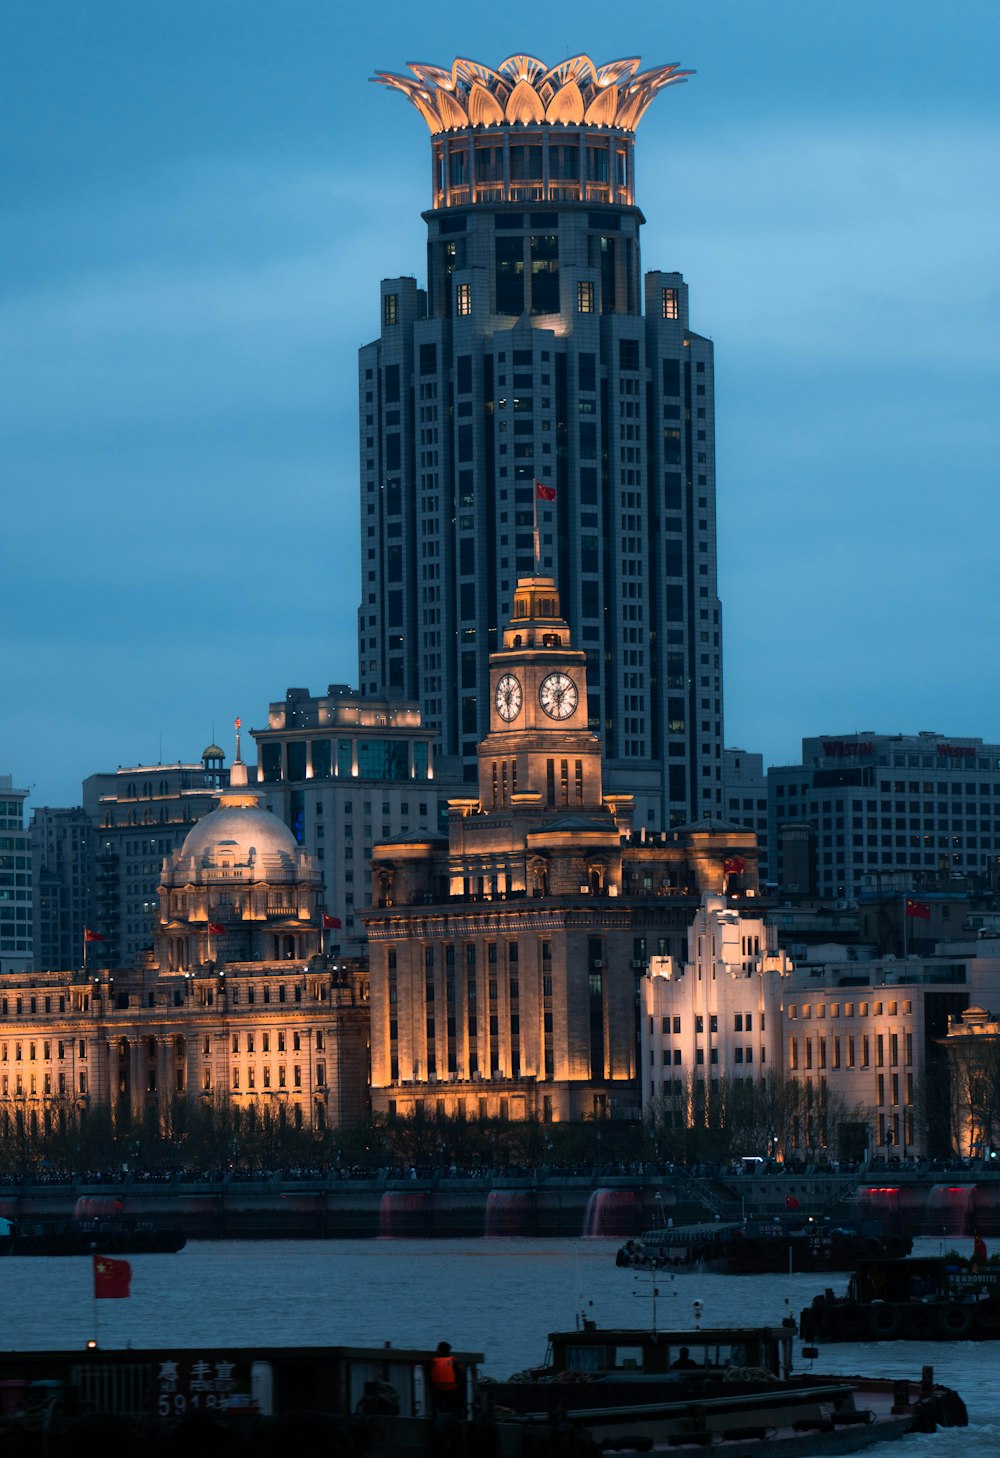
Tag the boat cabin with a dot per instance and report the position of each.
(623, 1353)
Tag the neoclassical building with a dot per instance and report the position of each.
(506, 956)
(237, 1002)
(239, 888)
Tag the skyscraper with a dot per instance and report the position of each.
(539, 356)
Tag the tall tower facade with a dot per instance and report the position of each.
(539, 355)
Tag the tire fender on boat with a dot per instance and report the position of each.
(883, 1321)
(955, 1320)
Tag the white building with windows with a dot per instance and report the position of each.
(714, 1016)
(869, 812)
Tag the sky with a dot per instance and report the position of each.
(199, 200)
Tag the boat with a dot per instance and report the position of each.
(926, 1298)
(636, 1388)
(601, 1390)
(756, 1246)
(97, 1236)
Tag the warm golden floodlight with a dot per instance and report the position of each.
(526, 91)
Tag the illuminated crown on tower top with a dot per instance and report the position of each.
(524, 90)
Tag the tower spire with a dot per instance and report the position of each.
(238, 779)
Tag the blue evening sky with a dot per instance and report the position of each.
(199, 200)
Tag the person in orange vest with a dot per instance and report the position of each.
(446, 1380)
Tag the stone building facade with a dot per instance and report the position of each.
(505, 956)
(712, 1015)
(236, 1003)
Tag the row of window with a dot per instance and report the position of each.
(833, 1009)
(251, 1077)
(817, 1049)
(742, 1023)
(249, 1040)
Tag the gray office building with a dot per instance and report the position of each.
(542, 383)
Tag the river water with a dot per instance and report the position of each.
(500, 1297)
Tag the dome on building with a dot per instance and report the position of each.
(213, 752)
(240, 835)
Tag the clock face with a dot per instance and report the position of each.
(558, 695)
(508, 697)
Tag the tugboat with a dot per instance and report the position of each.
(641, 1389)
(923, 1299)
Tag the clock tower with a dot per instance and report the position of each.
(539, 750)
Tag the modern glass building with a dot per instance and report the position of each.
(541, 384)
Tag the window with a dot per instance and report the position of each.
(668, 303)
(390, 309)
(584, 297)
(463, 300)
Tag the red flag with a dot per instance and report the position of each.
(111, 1278)
(216, 929)
(237, 722)
(545, 493)
(734, 864)
(91, 936)
(329, 922)
(918, 909)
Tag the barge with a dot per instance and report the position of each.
(759, 1246)
(121, 1236)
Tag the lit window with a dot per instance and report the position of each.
(668, 303)
(584, 297)
(390, 309)
(463, 299)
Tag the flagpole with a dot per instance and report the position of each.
(905, 930)
(534, 523)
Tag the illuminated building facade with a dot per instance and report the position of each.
(343, 771)
(540, 352)
(237, 1002)
(505, 956)
(712, 1015)
(972, 1047)
(870, 1034)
